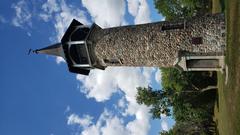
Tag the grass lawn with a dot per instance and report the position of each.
(227, 110)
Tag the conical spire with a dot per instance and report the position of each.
(55, 49)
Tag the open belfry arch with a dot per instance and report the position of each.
(196, 44)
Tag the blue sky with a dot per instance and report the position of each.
(37, 93)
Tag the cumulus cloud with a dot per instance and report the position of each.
(23, 14)
(101, 85)
(140, 125)
(133, 6)
(164, 122)
(114, 126)
(164, 125)
(121, 103)
(106, 13)
(74, 119)
(140, 10)
(143, 15)
(110, 124)
(60, 60)
(158, 76)
(61, 14)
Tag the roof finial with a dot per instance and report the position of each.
(32, 51)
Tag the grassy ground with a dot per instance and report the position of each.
(227, 110)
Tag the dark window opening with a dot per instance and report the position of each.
(223, 34)
(197, 40)
(80, 34)
(173, 26)
(78, 54)
(202, 63)
(112, 61)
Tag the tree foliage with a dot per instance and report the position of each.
(158, 100)
(192, 108)
(175, 9)
(177, 80)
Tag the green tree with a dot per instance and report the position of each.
(159, 100)
(181, 81)
(188, 94)
(175, 9)
(170, 132)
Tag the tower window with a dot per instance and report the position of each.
(112, 61)
(197, 40)
(173, 26)
(202, 63)
(78, 54)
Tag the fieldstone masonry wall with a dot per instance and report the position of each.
(149, 45)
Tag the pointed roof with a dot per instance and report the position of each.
(70, 29)
(62, 49)
(55, 49)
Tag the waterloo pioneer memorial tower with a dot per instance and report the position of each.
(195, 44)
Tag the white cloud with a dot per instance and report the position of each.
(100, 85)
(114, 126)
(92, 130)
(147, 72)
(62, 15)
(44, 17)
(60, 60)
(143, 15)
(23, 15)
(140, 125)
(163, 19)
(133, 6)
(121, 103)
(106, 13)
(84, 122)
(110, 124)
(140, 10)
(164, 122)
(164, 125)
(158, 76)
(51, 6)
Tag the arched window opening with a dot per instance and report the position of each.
(78, 54)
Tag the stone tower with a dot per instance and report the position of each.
(195, 44)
